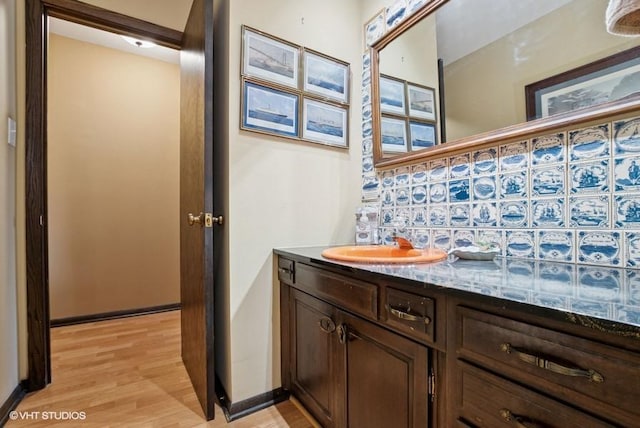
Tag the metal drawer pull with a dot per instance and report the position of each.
(405, 314)
(327, 325)
(543, 363)
(518, 421)
(284, 271)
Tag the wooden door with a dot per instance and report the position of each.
(196, 200)
(386, 377)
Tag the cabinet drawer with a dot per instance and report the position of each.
(358, 296)
(286, 270)
(410, 313)
(589, 374)
(489, 401)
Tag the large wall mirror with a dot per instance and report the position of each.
(454, 73)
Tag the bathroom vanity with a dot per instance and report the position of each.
(506, 343)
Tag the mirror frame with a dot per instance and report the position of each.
(485, 139)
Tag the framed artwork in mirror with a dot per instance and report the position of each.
(422, 135)
(325, 76)
(422, 102)
(269, 110)
(608, 79)
(394, 135)
(325, 123)
(269, 58)
(392, 95)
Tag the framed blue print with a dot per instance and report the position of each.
(422, 135)
(326, 76)
(326, 124)
(269, 58)
(269, 110)
(392, 95)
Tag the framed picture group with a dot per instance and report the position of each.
(408, 115)
(292, 91)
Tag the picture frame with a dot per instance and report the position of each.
(325, 123)
(422, 135)
(269, 110)
(392, 95)
(605, 80)
(393, 133)
(375, 28)
(421, 101)
(269, 58)
(325, 76)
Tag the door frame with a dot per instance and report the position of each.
(37, 250)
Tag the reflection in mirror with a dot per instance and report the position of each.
(490, 51)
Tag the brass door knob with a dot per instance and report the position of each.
(192, 219)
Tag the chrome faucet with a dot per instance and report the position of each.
(403, 243)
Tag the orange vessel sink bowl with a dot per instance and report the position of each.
(383, 254)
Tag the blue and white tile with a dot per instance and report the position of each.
(366, 60)
(548, 149)
(419, 216)
(459, 190)
(589, 143)
(366, 94)
(459, 166)
(632, 249)
(548, 212)
(388, 180)
(491, 236)
(548, 181)
(590, 177)
(485, 161)
(632, 285)
(402, 219)
(627, 211)
(484, 214)
(514, 185)
(438, 215)
(553, 278)
(600, 284)
(514, 156)
(595, 309)
(366, 112)
(437, 193)
(438, 169)
(419, 174)
(599, 247)
(388, 197)
(386, 235)
(589, 211)
(367, 129)
(441, 239)
(387, 215)
(367, 146)
(551, 301)
(484, 187)
(419, 194)
(403, 196)
(414, 5)
(514, 214)
(626, 174)
(556, 245)
(516, 295)
(395, 13)
(463, 238)
(366, 77)
(421, 238)
(374, 29)
(367, 163)
(403, 175)
(627, 314)
(520, 243)
(626, 137)
(459, 215)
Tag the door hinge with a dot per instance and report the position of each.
(432, 385)
(41, 220)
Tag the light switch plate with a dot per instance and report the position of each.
(11, 139)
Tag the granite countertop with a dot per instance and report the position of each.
(599, 293)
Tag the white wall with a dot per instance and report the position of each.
(8, 291)
(284, 193)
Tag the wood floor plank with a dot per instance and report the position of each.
(128, 373)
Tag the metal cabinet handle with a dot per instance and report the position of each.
(405, 314)
(343, 333)
(327, 325)
(518, 421)
(552, 366)
(284, 271)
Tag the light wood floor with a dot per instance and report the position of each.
(128, 372)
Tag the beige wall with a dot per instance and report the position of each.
(113, 179)
(485, 90)
(168, 13)
(8, 290)
(284, 193)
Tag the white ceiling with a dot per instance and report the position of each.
(110, 40)
(167, 13)
(464, 26)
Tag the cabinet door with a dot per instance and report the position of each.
(386, 377)
(317, 366)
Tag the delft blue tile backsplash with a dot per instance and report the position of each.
(571, 196)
